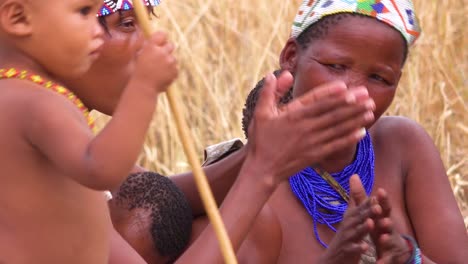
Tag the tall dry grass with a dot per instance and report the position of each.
(226, 46)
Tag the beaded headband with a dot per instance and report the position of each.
(397, 13)
(111, 6)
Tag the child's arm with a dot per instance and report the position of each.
(221, 176)
(104, 161)
(271, 159)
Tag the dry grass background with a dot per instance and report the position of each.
(226, 46)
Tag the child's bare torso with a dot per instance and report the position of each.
(299, 242)
(45, 217)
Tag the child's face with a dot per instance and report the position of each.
(110, 73)
(66, 37)
(359, 51)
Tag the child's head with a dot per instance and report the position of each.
(60, 38)
(153, 215)
(363, 43)
(251, 102)
(110, 73)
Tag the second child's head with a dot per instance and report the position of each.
(54, 37)
(153, 216)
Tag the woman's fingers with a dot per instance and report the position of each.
(357, 192)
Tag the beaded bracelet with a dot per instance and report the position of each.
(416, 256)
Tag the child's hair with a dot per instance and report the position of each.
(251, 102)
(319, 30)
(171, 215)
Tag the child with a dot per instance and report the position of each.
(153, 215)
(52, 209)
(365, 43)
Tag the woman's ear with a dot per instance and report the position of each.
(289, 55)
(15, 18)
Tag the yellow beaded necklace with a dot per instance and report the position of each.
(24, 75)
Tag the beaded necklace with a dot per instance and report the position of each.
(326, 196)
(24, 75)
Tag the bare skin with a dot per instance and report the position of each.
(52, 209)
(408, 169)
(257, 180)
(399, 145)
(254, 184)
(265, 249)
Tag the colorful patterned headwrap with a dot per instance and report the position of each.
(111, 6)
(397, 13)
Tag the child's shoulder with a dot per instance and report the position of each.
(31, 98)
(29, 106)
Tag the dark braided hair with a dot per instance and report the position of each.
(171, 215)
(251, 102)
(315, 31)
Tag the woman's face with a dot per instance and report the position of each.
(358, 51)
(102, 85)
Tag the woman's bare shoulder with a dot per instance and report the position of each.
(400, 131)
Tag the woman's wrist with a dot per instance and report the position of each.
(414, 255)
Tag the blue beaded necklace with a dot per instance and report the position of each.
(321, 200)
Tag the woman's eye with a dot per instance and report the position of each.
(86, 10)
(335, 66)
(380, 79)
(128, 24)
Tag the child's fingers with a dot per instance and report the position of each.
(353, 127)
(159, 38)
(325, 112)
(284, 82)
(360, 92)
(169, 47)
(266, 100)
(336, 144)
(324, 90)
(334, 114)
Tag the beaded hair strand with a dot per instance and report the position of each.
(111, 6)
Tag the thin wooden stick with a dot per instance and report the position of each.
(187, 142)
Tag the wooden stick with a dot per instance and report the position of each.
(187, 142)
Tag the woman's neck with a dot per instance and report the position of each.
(337, 161)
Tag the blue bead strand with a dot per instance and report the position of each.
(324, 203)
